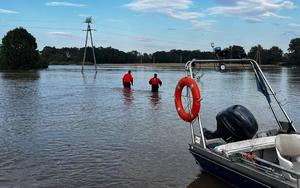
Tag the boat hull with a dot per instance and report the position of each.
(237, 175)
(227, 175)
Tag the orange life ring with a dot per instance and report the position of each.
(189, 82)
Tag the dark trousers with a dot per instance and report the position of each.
(154, 88)
(126, 84)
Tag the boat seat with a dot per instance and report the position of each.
(288, 152)
(212, 143)
(247, 145)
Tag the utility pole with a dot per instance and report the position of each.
(89, 30)
(180, 58)
(257, 55)
(230, 52)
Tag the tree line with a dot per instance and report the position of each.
(19, 51)
(109, 55)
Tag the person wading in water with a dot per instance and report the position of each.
(155, 83)
(127, 80)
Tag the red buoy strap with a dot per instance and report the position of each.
(189, 82)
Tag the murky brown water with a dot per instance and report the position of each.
(61, 129)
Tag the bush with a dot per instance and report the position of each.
(19, 51)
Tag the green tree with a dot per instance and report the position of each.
(258, 53)
(275, 55)
(54, 55)
(294, 49)
(266, 56)
(0, 55)
(253, 51)
(19, 50)
(236, 52)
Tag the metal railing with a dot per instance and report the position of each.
(189, 68)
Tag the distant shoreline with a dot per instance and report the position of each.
(147, 64)
(206, 65)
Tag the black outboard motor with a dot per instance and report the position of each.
(236, 123)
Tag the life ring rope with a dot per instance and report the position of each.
(194, 109)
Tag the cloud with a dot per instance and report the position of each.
(292, 29)
(145, 5)
(202, 25)
(177, 9)
(274, 15)
(5, 11)
(253, 20)
(252, 10)
(226, 2)
(181, 15)
(294, 25)
(63, 4)
(62, 34)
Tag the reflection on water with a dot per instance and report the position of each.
(128, 97)
(27, 75)
(87, 75)
(155, 99)
(19, 100)
(204, 180)
(59, 128)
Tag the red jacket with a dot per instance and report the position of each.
(127, 78)
(155, 81)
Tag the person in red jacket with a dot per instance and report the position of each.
(127, 80)
(155, 83)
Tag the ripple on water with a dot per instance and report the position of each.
(60, 129)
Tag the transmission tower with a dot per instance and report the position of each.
(89, 30)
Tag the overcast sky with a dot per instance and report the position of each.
(152, 25)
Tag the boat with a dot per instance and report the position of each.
(237, 152)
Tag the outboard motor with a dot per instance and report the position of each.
(236, 123)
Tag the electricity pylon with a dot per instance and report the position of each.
(89, 31)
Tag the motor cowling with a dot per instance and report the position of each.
(236, 123)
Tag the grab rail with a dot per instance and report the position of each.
(257, 71)
(274, 167)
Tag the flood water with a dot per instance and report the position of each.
(59, 128)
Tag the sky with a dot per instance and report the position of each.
(155, 25)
